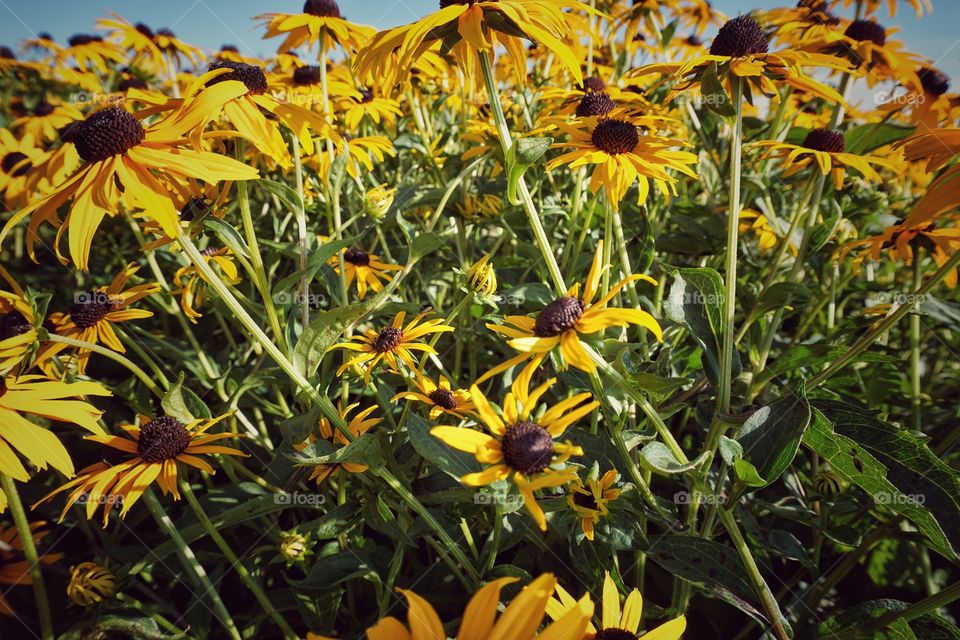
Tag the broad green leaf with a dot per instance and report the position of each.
(863, 614)
(810, 356)
(229, 236)
(714, 95)
(184, 405)
(363, 450)
(521, 156)
(317, 259)
(771, 435)
(868, 137)
(330, 571)
(656, 456)
(456, 463)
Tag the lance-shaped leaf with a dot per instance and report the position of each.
(771, 435)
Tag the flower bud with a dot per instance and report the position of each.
(481, 277)
(377, 201)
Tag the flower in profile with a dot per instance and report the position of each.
(440, 397)
(320, 20)
(40, 397)
(90, 584)
(18, 158)
(476, 206)
(155, 448)
(393, 344)
(47, 119)
(358, 425)
(872, 6)
(89, 53)
(561, 323)
(867, 45)
(192, 286)
(93, 314)
(369, 106)
(362, 151)
(118, 149)
(17, 329)
(520, 619)
(467, 27)
(519, 446)
(14, 569)
(936, 148)
(825, 149)
(767, 235)
(481, 277)
(366, 269)
(616, 624)
(158, 48)
(589, 501)
(741, 49)
(620, 156)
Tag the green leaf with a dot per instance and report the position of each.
(184, 405)
(780, 295)
(894, 466)
(521, 156)
(862, 615)
(454, 462)
(330, 571)
(868, 137)
(229, 236)
(771, 435)
(317, 259)
(425, 244)
(656, 456)
(714, 95)
(810, 356)
(363, 450)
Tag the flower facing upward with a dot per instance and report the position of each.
(520, 445)
(155, 449)
(358, 425)
(562, 322)
(589, 501)
(440, 397)
(520, 620)
(614, 623)
(393, 344)
(90, 584)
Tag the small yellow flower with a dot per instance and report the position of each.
(440, 398)
(481, 277)
(377, 201)
(358, 425)
(90, 584)
(589, 501)
(294, 547)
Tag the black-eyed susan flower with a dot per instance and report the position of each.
(358, 425)
(89, 53)
(826, 150)
(90, 584)
(47, 118)
(867, 46)
(465, 28)
(14, 569)
(561, 323)
(93, 314)
(767, 235)
(175, 49)
(38, 396)
(321, 20)
(366, 269)
(118, 149)
(18, 157)
(520, 620)
(871, 7)
(362, 151)
(370, 107)
(934, 149)
(393, 344)
(17, 329)
(589, 500)
(481, 277)
(620, 156)
(616, 624)
(193, 288)
(157, 447)
(440, 397)
(521, 444)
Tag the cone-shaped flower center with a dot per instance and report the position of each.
(866, 30)
(560, 315)
(81, 39)
(593, 84)
(306, 76)
(107, 133)
(89, 308)
(585, 501)
(322, 8)
(388, 339)
(739, 37)
(615, 634)
(357, 257)
(527, 447)
(825, 140)
(444, 398)
(162, 438)
(13, 164)
(12, 325)
(144, 30)
(595, 104)
(42, 109)
(250, 75)
(934, 82)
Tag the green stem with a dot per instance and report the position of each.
(506, 142)
(235, 563)
(301, 215)
(30, 553)
(915, 389)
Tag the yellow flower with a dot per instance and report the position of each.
(937, 147)
(393, 344)
(193, 288)
(378, 200)
(294, 547)
(590, 501)
(520, 619)
(320, 19)
(18, 162)
(365, 268)
(93, 313)
(358, 425)
(361, 151)
(35, 395)
(766, 235)
(47, 119)
(156, 447)
(615, 623)
(90, 584)
(521, 445)
(17, 327)
(481, 276)
(440, 397)
(621, 156)
(380, 111)
(563, 321)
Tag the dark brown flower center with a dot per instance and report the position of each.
(560, 315)
(366, 95)
(322, 8)
(866, 31)
(107, 133)
(585, 501)
(615, 634)
(163, 438)
(615, 136)
(593, 84)
(7, 53)
(12, 325)
(449, 3)
(44, 108)
(444, 398)
(739, 37)
(356, 256)
(131, 83)
(144, 30)
(81, 39)
(250, 75)
(388, 339)
(693, 40)
(16, 164)
(595, 104)
(527, 448)
(229, 48)
(934, 81)
(825, 140)
(89, 308)
(306, 76)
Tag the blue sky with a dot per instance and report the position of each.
(212, 23)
